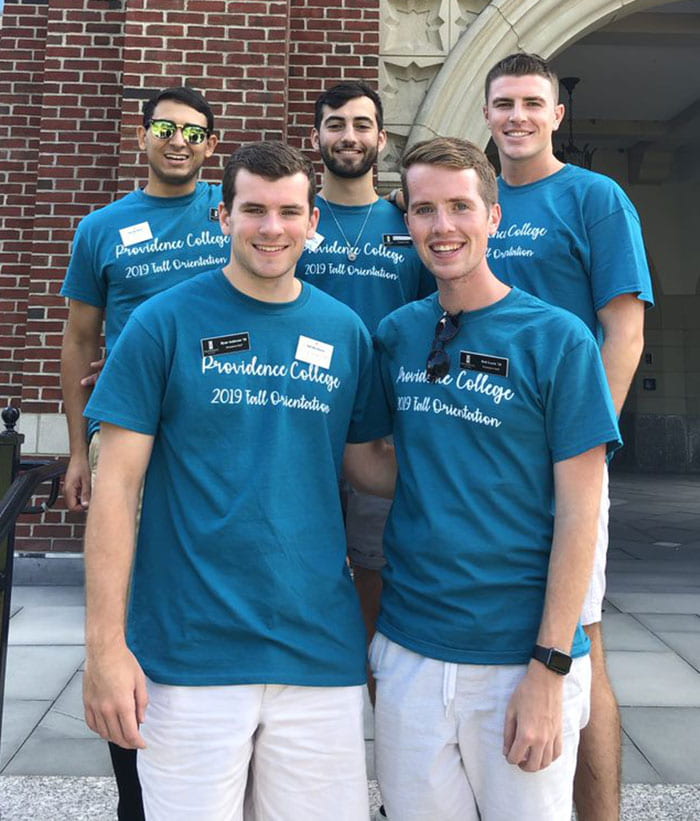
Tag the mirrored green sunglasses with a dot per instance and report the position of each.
(191, 134)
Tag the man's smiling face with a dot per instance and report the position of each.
(348, 138)
(173, 163)
(522, 113)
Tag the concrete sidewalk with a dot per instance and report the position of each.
(54, 768)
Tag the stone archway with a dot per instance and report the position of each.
(454, 108)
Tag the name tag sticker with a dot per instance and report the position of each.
(314, 352)
(135, 233)
(314, 243)
(397, 239)
(231, 343)
(483, 362)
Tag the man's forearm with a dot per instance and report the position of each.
(621, 359)
(623, 326)
(533, 727)
(578, 483)
(114, 685)
(370, 467)
(75, 362)
(109, 551)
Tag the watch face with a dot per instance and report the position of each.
(559, 662)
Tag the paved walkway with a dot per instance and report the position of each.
(54, 768)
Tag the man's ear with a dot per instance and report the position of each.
(314, 139)
(313, 223)
(141, 137)
(224, 219)
(212, 141)
(494, 219)
(559, 111)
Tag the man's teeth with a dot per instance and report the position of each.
(452, 246)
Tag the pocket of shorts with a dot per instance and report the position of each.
(577, 688)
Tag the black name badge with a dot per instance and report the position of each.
(231, 343)
(214, 214)
(396, 239)
(483, 362)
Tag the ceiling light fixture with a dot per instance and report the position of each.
(570, 152)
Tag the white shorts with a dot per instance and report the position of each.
(439, 740)
(592, 611)
(304, 747)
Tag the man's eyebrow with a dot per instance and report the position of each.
(464, 198)
(253, 204)
(529, 98)
(332, 118)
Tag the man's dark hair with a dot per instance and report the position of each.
(518, 65)
(338, 95)
(451, 152)
(180, 94)
(270, 160)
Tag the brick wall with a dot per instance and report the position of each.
(73, 77)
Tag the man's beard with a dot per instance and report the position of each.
(348, 172)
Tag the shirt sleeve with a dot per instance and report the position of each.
(130, 390)
(579, 413)
(618, 256)
(371, 418)
(84, 280)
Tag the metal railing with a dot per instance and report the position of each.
(19, 481)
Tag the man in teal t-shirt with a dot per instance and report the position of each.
(245, 649)
(123, 254)
(362, 255)
(501, 427)
(136, 247)
(572, 237)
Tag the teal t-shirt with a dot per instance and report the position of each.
(385, 271)
(240, 573)
(573, 239)
(470, 531)
(141, 245)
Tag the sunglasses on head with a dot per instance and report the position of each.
(191, 134)
(438, 364)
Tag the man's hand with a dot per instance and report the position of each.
(90, 380)
(77, 484)
(115, 696)
(532, 738)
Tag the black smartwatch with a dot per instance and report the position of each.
(552, 658)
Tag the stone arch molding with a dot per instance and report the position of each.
(453, 104)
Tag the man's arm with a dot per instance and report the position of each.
(533, 729)
(114, 685)
(80, 348)
(370, 467)
(623, 324)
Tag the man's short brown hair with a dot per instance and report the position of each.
(451, 152)
(270, 160)
(521, 64)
